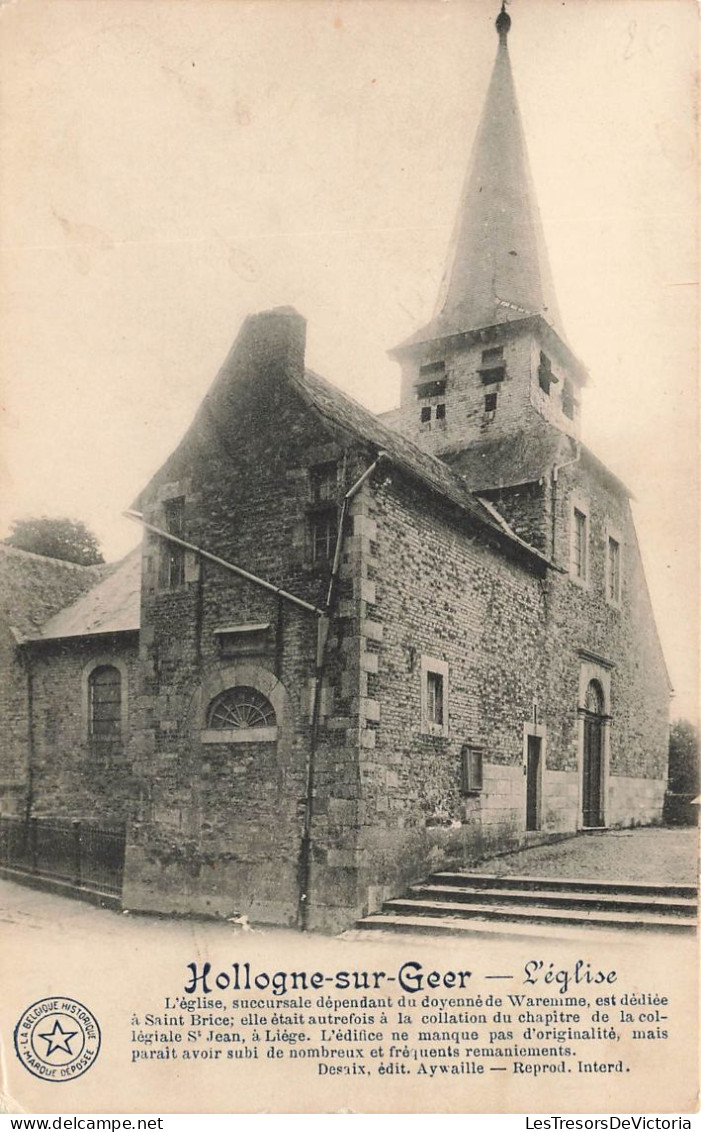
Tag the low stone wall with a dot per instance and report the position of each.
(189, 883)
(634, 801)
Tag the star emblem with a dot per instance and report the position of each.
(59, 1039)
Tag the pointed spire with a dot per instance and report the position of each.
(497, 268)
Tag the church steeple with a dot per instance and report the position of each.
(493, 361)
(497, 268)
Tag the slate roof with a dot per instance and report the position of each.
(112, 606)
(523, 458)
(497, 268)
(510, 460)
(33, 587)
(342, 410)
(498, 265)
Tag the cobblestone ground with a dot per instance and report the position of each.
(662, 855)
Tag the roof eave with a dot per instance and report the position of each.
(79, 636)
(601, 467)
(453, 338)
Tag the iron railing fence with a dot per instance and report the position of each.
(81, 853)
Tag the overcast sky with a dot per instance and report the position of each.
(168, 167)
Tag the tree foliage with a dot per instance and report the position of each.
(67, 539)
(683, 758)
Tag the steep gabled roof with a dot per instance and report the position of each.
(33, 587)
(343, 411)
(112, 606)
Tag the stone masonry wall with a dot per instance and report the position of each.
(222, 829)
(73, 775)
(439, 591)
(519, 648)
(464, 397)
(32, 589)
(520, 399)
(525, 509)
(620, 638)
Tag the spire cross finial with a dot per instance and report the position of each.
(503, 23)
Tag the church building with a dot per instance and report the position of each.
(350, 649)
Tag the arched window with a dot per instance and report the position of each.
(594, 702)
(105, 702)
(240, 708)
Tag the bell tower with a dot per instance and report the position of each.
(493, 361)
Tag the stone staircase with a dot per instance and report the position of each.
(460, 902)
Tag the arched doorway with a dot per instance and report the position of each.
(592, 766)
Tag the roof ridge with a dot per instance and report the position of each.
(7, 548)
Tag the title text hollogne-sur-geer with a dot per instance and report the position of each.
(411, 977)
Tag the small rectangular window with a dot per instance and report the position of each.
(440, 412)
(425, 413)
(324, 532)
(614, 570)
(323, 480)
(431, 367)
(471, 770)
(172, 568)
(430, 389)
(580, 544)
(493, 354)
(175, 515)
(492, 375)
(490, 403)
(434, 698)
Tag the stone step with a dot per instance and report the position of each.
(446, 925)
(470, 894)
(409, 906)
(573, 884)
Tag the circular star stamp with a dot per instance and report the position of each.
(57, 1039)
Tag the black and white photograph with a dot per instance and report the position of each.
(349, 556)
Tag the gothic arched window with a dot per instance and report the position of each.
(105, 702)
(240, 708)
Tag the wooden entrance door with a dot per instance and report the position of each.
(533, 783)
(593, 758)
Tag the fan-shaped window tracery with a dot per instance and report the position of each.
(240, 708)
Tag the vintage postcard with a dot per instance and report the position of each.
(348, 573)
